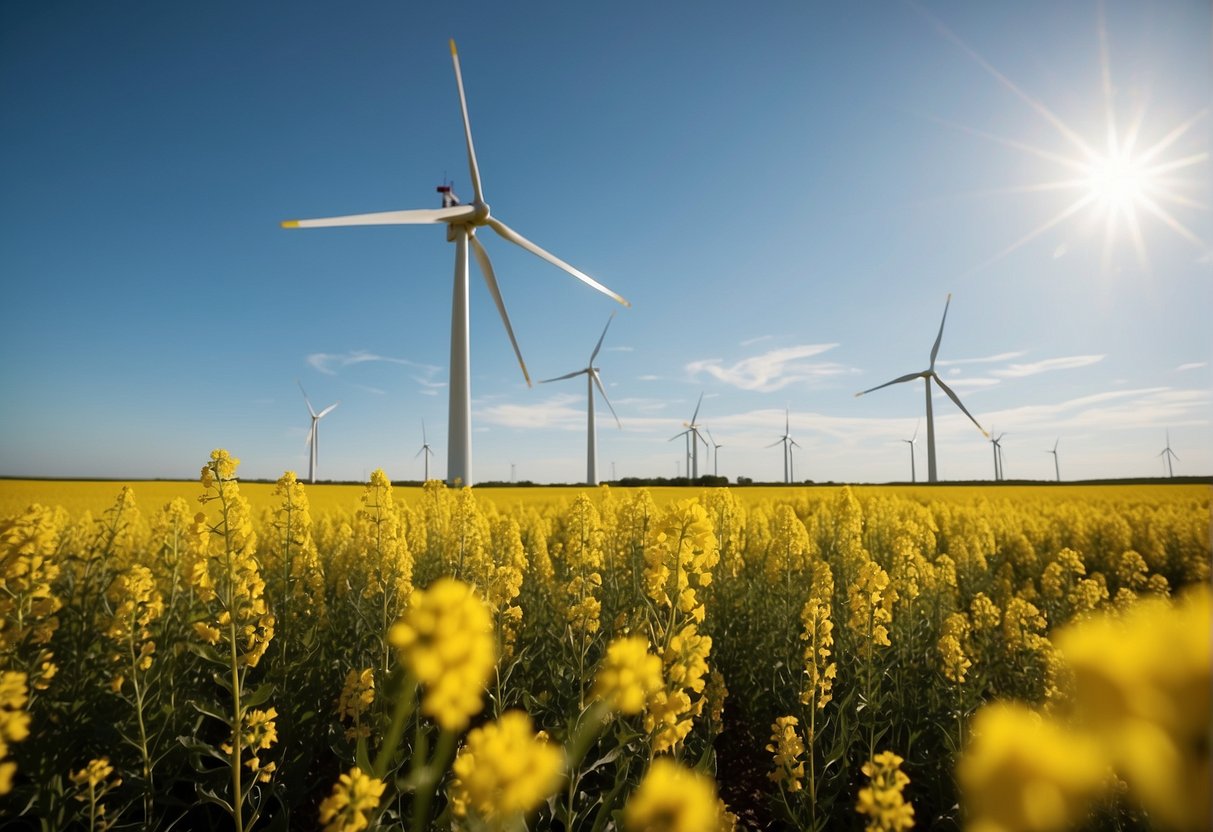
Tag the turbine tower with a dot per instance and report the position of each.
(693, 439)
(425, 449)
(592, 380)
(996, 444)
(788, 443)
(911, 442)
(313, 435)
(461, 222)
(1056, 466)
(1169, 454)
(716, 446)
(927, 375)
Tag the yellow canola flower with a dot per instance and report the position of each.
(1024, 773)
(671, 798)
(445, 639)
(629, 675)
(787, 747)
(1143, 685)
(504, 771)
(14, 721)
(354, 796)
(881, 800)
(94, 774)
(357, 696)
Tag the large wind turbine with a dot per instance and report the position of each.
(911, 442)
(996, 444)
(313, 435)
(926, 375)
(716, 446)
(1169, 454)
(693, 438)
(1056, 465)
(592, 380)
(788, 443)
(425, 449)
(461, 223)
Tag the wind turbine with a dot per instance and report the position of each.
(592, 380)
(1169, 454)
(425, 449)
(926, 375)
(996, 444)
(693, 438)
(911, 442)
(1056, 466)
(461, 223)
(313, 435)
(788, 443)
(716, 446)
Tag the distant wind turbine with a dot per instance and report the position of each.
(313, 435)
(461, 223)
(693, 438)
(996, 444)
(788, 443)
(1169, 455)
(927, 375)
(715, 453)
(425, 449)
(1056, 465)
(592, 380)
(911, 442)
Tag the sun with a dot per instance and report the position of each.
(1119, 182)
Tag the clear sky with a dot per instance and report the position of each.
(785, 191)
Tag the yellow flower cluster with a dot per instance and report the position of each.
(137, 603)
(671, 798)
(445, 639)
(504, 771)
(293, 555)
(14, 722)
(628, 676)
(355, 796)
(1143, 686)
(679, 554)
(258, 734)
(871, 600)
(382, 547)
(94, 783)
(951, 646)
(790, 549)
(357, 696)
(818, 635)
(29, 543)
(583, 560)
(673, 708)
(882, 800)
(787, 747)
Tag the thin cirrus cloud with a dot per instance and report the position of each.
(1047, 365)
(989, 359)
(773, 370)
(1192, 365)
(329, 363)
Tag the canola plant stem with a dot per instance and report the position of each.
(431, 774)
(405, 700)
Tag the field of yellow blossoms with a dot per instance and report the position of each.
(278, 657)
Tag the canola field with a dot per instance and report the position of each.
(252, 656)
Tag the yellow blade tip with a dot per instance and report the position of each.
(453, 52)
(290, 223)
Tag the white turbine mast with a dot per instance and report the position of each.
(313, 435)
(927, 375)
(996, 444)
(425, 449)
(693, 439)
(593, 379)
(1169, 455)
(716, 446)
(911, 442)
(461, 223)
(788, 443)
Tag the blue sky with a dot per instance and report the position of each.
(786, 193)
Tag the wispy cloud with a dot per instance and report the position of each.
(977, 382)
(1193, 365)
(329, 362)
(620, 349)
(1047, 365)
(989, 359)
(773, 370)
(749, 342)
(648, 377)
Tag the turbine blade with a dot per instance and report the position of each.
(695, 415)
(327, 411)
(424, 442)
(917, 425)
(486, 268)
(708, 431)
(473, 168)
(906, 377)
(778, 441)
(675, 436)
(563, 377)
(306, 399)
(602, 390)
(418, 216)
(311, 434)
(956, 400)
(419, 453)
(518, 240)
(594, 354)
(939, 337)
